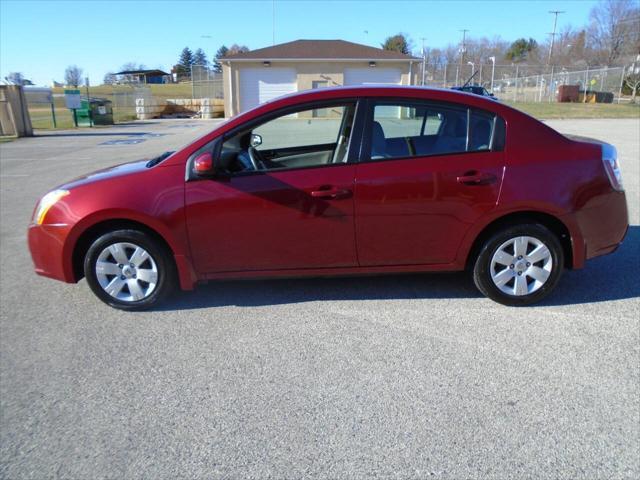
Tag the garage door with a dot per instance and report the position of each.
(258, 85)
(372, 76)
(375, 76)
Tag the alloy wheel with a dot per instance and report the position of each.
(126, 272)
(521, 266)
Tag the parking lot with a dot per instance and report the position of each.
(413, 376)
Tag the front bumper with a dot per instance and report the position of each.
(47, 247)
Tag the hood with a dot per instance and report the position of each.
(107, 174)
(121, 170)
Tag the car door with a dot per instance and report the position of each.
(294, 211)
(427, 173)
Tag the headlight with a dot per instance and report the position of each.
(46, 202)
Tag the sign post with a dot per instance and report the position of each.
(73, 102)
(86, 82)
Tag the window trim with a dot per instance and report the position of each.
(372, 102)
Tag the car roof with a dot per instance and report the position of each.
(361, 91)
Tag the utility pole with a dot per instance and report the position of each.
(553, 34)
(424, 61)
(463, 48)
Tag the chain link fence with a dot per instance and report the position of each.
(206, 83)
(525, 83)
(124, 100)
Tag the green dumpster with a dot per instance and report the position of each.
(83, 115)
(97, 111)
(101, 111)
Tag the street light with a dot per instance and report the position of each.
(473, 68)
(493, 70)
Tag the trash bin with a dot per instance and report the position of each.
(97, 111)
(83, 115)
(101, 111)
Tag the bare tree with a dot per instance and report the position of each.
(132, 66)
(613, 29)
(109, 78)
(73, 75)
(15, 78)
(632, 82)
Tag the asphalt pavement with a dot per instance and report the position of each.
(404, 376)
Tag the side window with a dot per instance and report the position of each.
(481, 128)
(401, 130)
(306, 138)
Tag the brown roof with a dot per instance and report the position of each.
(320, 49)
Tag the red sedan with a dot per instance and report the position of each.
(342, 181)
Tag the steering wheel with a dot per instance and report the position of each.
(256, 159)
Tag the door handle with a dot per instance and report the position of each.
(331, 192)
(476, 178)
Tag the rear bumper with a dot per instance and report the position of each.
(603, 224)
(46, 244)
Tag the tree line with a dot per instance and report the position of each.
(611, 37)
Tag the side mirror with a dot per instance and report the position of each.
(203, 165)
(256, 140)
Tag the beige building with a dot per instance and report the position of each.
(254, 77)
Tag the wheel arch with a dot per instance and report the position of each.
(90, 233)
(553, 223)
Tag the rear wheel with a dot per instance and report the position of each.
(519, 265)
(129, 270)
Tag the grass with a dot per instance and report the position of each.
(548, 111)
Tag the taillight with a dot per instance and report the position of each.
(611, 166)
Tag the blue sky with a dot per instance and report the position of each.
(40, 38)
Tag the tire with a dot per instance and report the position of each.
(502, 276)
(129, 270)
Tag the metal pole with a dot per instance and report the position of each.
(462, 50)
(480, 73)
(541, 79)
(86, 84)
(457, 73)
(621, 85)
(53, 113)
(553, 35)
(444, 82)
(586, 81)
(424, 62)
(515, 90)
(493, 71)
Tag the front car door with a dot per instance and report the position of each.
(428, 172)
(283, 195)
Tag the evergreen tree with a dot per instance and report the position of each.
(221, 53)
(183, 67)
(200, 58)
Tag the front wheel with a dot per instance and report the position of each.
(129, 270)
(519, 265)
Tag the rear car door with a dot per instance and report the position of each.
(428, 172)
(294, 211)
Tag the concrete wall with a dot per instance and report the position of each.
(14, 116)
(154, 107)
(308, 72)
